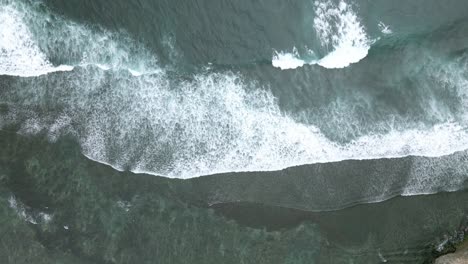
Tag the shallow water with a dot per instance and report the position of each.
(59, 205)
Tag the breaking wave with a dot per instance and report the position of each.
(172, 125)
(340, 33)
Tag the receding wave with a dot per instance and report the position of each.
(337, 185)
(209, 124)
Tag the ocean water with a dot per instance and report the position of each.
(266, 119)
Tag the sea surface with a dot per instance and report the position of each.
(202, 131)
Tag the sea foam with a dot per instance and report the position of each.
(340, 32)
(19, 54)
(205, 123)
(29, 37)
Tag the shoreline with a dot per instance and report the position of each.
(456, 250)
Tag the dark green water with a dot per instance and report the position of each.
(59, 206)
(325, 131)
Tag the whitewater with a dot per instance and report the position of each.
(211, 122)
(340, 32)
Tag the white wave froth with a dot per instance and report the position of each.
(339, 27)
(205, 124)
(19, 54)
(285, 61)
(214, 123)
(29, 36)
(340, 31)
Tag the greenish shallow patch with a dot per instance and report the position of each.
(99, 215)
(102, 216)
(19, 242)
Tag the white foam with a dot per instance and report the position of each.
(340, 31)
(100, 66)
(339, 27)
(382, 258)
(385, 29)
(138, 73)
(204, 124)
(19, 54)
(46, 218)
(22, 212)
(343, 57)
(284, 60)
(135, 73)
(29, 36)
(125, 205)
(215, 125)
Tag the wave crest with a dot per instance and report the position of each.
(340, 32)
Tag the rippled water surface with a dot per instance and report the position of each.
(318, 131)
